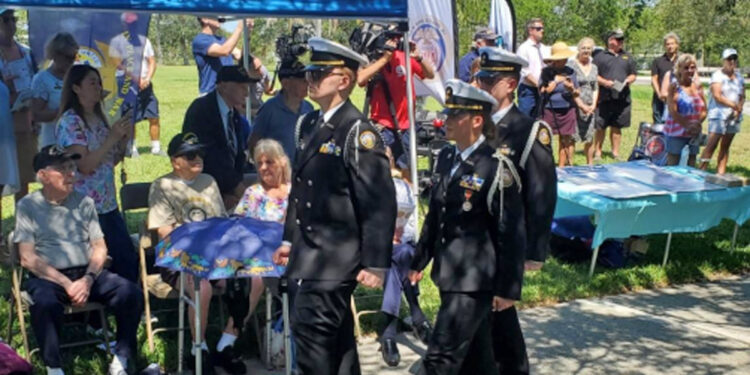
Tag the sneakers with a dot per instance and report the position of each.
(231, 363)
(157, 151)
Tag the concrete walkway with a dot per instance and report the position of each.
(691, 329)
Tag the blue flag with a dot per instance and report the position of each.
(114, 43)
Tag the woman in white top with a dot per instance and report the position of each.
(724, 110)
(46, 87)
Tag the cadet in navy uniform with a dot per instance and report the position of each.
(527, 143)
(474, 231)
(342, 206)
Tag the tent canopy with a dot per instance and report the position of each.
(372, 9)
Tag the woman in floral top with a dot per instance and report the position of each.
(83, 129)
(268, 199)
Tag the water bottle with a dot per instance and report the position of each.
(684, 155)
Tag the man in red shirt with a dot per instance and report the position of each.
(386, 82)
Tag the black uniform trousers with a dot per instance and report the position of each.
(461, 342)
(508, 344)
(121, 297)
(323, 328)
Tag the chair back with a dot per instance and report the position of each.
(134, 196)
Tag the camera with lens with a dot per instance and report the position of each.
(370, 40)
(292, 46)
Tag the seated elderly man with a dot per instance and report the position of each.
(62, 245)
(182, 196)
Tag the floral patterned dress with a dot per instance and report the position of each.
(255, 203)
(99, 185)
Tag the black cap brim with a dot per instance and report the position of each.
(40, 164)
(187, 148)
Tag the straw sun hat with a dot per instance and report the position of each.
(559, 51)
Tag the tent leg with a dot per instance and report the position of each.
(181, 324)
(269, 302)
(197, 340)
(734, 236)
(593, 261)
(287, 335)
(666, 250)
(412, 127)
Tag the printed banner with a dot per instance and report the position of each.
(502, 22)
(431, 29)
(114, 43)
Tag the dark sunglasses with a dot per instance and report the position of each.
(538, 28)
(733, 58)
(9, 19)
(318, 75)
(191, 155)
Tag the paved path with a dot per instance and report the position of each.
(691, 329)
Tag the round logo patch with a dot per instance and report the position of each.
(544, 136)
(367, 139)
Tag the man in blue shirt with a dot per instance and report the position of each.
(484, 36)
(278, 116)
(211, 51)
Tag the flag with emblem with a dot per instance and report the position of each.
(113, 43)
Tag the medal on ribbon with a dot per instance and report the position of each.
(467, 196)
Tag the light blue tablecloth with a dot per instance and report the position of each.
(677, 212)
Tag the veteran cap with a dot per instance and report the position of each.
(233, 73)
(495, 60)
(52, 155)
(461, 96)
(183, 143)
(328, 54)
(484, 33)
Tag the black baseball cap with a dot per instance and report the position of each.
(233, 73)
(183, 143)
(52, 155)
(291, 68)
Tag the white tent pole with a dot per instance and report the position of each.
(412, 128)
(246, 63)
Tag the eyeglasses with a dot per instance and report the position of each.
(318, 75)
(733, 58)
(537, 28)
(65, 167)
(9, 19)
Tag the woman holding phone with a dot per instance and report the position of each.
(82, 128)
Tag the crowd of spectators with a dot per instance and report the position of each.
(58, 112)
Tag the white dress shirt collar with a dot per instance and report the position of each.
(497, 116)
(328, 114)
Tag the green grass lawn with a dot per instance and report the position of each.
(693, 257)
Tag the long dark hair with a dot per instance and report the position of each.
(69, 99)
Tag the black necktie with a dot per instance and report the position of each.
(231, 136)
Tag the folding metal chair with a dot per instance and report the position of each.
(21, 300)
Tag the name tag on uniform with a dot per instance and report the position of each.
(471, 182)
(330, 148)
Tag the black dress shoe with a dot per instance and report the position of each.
(206, 363)
(230, 362)
(423, 331)
(390, 352)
